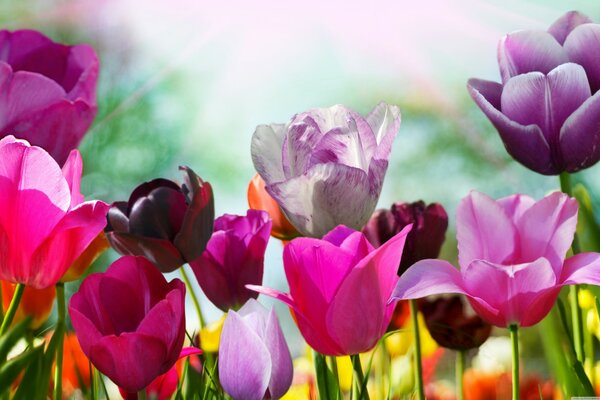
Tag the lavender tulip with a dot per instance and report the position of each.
(326, 166)
(234, 257)
(47, 91)
(547, 108)
(254, 359)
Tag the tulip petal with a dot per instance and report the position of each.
(563, 26)
(340, 147)
(160, 252)
(244, 361)
(580, 45)
(547, 229)
(580, 136)
(526, 144)
(428, 277)
(312, 201)
(72, 170)
(159, 214)
(299, 143)
(546, 101)
(384, 120)
(513, 290)
(483, 230)
(583, 268)
(266, 149)
(515, 205)
(282, 370)
(527, 51)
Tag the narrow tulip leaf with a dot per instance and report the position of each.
(32, 374)
(563, 319)
(588, 229)
(327, 385)
(10, 338)
(11, 369)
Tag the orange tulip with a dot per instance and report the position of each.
(497, 386)
(36, 303)
(259, 199)
(76, 367)
(89, 255)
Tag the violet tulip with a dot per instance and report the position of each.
(429, 224)
(234, 257)
(167, 223)
(45, 224)
(339, 289)
(47, 91)
(547, 108)
(130, 321)
(512, 258)
(254, 359)
(326, 166)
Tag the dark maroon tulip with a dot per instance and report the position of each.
(547, 107)
(423, 241)
(164, 222)
(130, 322)
(234, 257)
(449, 325)
(47, 91)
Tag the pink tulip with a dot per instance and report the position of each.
(339, 289)
(47, 91)
(130, 321)
(512, 257)
(44, 222)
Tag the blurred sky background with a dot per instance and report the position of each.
(186, 82)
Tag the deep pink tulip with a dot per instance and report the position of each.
(130, 321)
(254, 359)
(44, 222)
(234, 257)
(339, 289)
(47, 91)
(512, 257)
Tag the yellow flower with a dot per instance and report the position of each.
(399, 343)
(586, 299)
(210, 334)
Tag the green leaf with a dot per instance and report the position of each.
(10, 338)
(11, 369)
(327, 385)
(588, 229)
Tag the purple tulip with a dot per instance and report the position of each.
(47, 91)
(234, 257)
(425, 238)
(164, 222)
(254, 359)
(326, 166)
(130, 322)
(547, 108)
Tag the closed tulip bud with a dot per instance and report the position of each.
(260, 199)
(167, 223)
(326, 166)
(234, 257)
(451, 327)
(47, 91)
(130, 321)
(254, 359)
(425, 238)
(35, 303)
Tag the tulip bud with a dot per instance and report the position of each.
(254, 359)
(260, 199)
(449, 325)
(167, 223)
(424, 240)
(36, 303)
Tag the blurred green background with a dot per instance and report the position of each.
(186, 82)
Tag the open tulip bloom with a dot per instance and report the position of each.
(328, 278)
(326, 166)
(512, 258)
(547, 108)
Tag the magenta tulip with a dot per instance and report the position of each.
(512, 257)
(339, 289)
(234, 257)
(254, 359)
(130, 321)
(44, 222)
(47, 91)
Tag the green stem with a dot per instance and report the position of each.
(92, 381)
(60, 324)
(566, 187)
(418, 365)
(334, 370)
(460, 372)
(142, 394)
(514, 338)
(359, 378)
(193, 295)
(12, 308)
